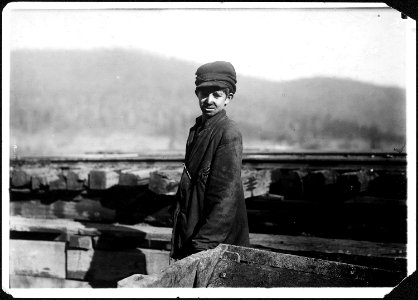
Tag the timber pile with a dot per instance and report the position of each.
(160, 181)
(77, 255)
(74, 218)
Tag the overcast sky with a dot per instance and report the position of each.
(278, 44)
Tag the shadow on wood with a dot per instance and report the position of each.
(110, 259)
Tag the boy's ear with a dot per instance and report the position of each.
(229, 98)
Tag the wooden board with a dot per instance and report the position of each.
(265, 241)
(89, 210)
(37, 258)
(316, 244)
(113, 266)
(28, 282)
(142, 232)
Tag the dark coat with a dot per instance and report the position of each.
(210, 206)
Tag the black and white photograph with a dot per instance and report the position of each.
(254, 149)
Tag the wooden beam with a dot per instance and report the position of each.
(37, 258)
(326, 245)
(19, 178)
(102, 179)
(134, 177)
(88, 210)
(73, 180)
(80, 242)
(264, 241)
(29, 282)
(141, 232)
(165, 181)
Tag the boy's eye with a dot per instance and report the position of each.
(217, 95)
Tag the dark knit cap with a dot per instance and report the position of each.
(218, 73)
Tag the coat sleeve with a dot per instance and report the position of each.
(223, 192)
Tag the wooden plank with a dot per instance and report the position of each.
(139, 231)
(88, 210)
(326, 245)
(29, 282)
(113, 266)
(37, 258)
(265, 241)
(255, 182)
(165, 181)
(80, 242)
(46, 178)
(102, 179)
(134, 177)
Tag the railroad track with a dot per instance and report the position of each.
(260, 160)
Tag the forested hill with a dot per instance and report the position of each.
(126, 100)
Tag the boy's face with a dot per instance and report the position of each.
(212, 100)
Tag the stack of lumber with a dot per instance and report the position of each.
(83, 254)
(159, 180)
(98, 255)
(69, 221)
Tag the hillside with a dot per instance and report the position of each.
(65, 102)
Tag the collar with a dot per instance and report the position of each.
(212, 120)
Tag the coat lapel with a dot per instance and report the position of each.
(198, 148)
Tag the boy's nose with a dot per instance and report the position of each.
(209, 98)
